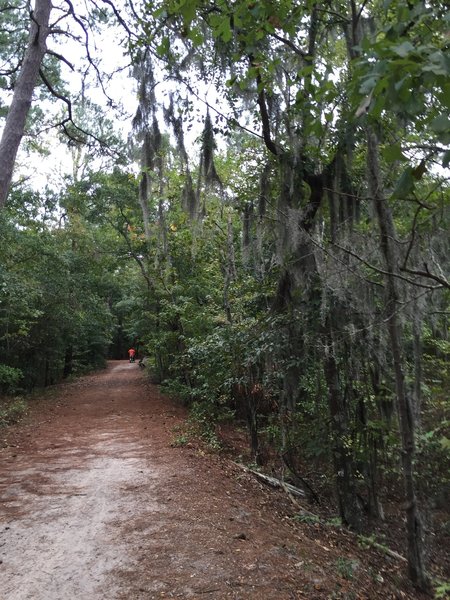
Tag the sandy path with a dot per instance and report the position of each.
(96, 504)
(65, 498)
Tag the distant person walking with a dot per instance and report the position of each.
(131, 354)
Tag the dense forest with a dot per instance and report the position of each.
(272, 236)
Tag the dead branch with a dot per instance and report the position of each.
(273, 482)
(297, 475)
(293, 491)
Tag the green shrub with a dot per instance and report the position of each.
(346, 567)
(11, 410)
(9, 379)
(442, 589)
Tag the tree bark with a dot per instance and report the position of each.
(23, 93)
(348, 504)
(414, 527)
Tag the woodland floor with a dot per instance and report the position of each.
(98, 502)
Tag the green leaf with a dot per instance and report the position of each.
(403, 49)
(368, 84)
(188, 11)
(163, 48)
(445, 443)
(405, 184)
(444, 96)
(440, 124)
(419, 171)
(440, 63)
(446, 159)
(393, 153)
(196, 36)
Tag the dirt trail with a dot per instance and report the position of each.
(96, 503)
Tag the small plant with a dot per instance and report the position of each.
(177, 390)
(9, 379)
(346, 567)
(375, 575)
(307, 518)
(202, 422)
(211, 439)
(442, 590)
(371, 542)
(11, 411)
(180, 440)
(182, 436)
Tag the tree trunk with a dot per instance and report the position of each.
(252, 422)
(68, 362)
(348, 503)
(417, 352)
(23, 93)
(405, 413)
(229, 270)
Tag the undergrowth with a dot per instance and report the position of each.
(11, 410)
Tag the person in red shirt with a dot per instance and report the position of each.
(131, 354)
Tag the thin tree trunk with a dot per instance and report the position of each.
(348, 504)
(144, 196)
(417, 351)
(229, 271)
(23, 93)
(68, 362)
(414, 527)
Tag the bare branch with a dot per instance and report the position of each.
(429, 275)
(290, 44)
(69, 119)
(119, 18)
(133, 254)
(80, 22)
(363, 5)
(61, 58)
(7, 7)
(340, 16)
(383, 272)
(413, 236)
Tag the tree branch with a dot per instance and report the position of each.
(119, 18)
(390, 274)
(231, 121)
(270, 144)
(427, 274)
(64, 122)
(61, 58)
(290, 44)
(79, 21)
(340, 16)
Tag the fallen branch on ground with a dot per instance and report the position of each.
(293, 491)
(373, 544)
(272, 481)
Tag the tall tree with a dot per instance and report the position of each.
(41, 68)
(23, 93)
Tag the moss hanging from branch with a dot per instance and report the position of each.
(207, 166)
